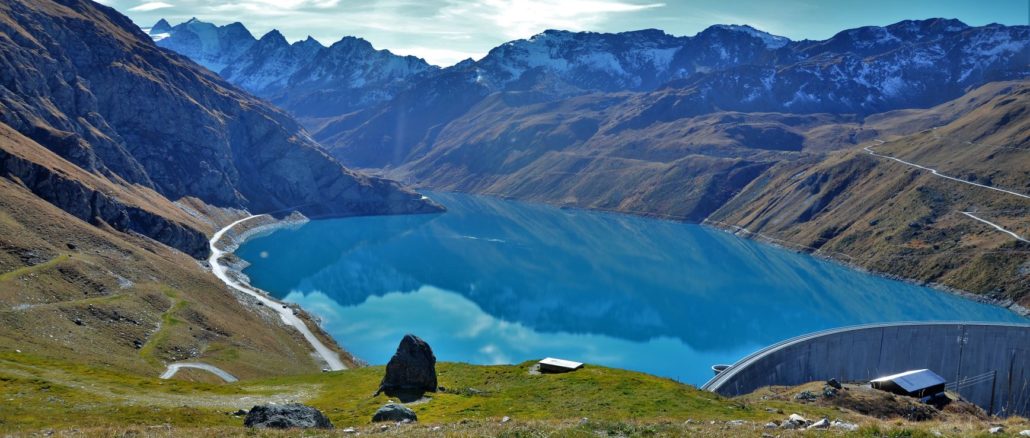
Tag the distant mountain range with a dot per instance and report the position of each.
(728, 67)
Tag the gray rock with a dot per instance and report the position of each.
(286, 417)
(795, 421)
(1025, 433)
(821, 424)
(412, 368)
(394, 412)
(834, 383)
(850, 427)
(996, 430)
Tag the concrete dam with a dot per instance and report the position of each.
(987, 364)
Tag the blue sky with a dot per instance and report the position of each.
(446, 31)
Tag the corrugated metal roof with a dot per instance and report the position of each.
(914, 380)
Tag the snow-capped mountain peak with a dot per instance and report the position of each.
(771, 41)
(351, 72)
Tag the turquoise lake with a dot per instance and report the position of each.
(494, 281)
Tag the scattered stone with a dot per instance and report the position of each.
(394, 412)
(384, 427)
(805, 396)
(505, 419)
(850, 427)
(771, 425)
(350, 430)
(137, 343)
(240, 413)
(735, 423)
(821, 424)
(78, 321)
(996, 430)
(690, 421)
(412, 368)
(795, 421)
(830, 392)
(287, 416)
(835, 384)
(1025, 433)
(774, 410)
(71, 246)
(766, 435)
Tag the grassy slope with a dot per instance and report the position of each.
(69, 289)
(41, 393)
(894, 219)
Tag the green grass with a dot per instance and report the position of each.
(168, 321)
(29, 269)
(473, 392)
(39, 394)
(60, 394)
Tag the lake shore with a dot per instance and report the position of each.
(227, 267)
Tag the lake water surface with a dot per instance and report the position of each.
(493, 281)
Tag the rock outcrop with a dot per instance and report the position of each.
(291, 416)
(94, 206)
(411, 369)
(394, 412)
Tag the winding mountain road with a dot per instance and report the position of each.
(999, 227)
(331, 358)
(936, 173)
(175, 367)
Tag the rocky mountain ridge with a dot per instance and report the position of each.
(305, 77)
(910, 64)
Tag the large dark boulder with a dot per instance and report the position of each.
(291, 416)
(394, 412)
(411, 369)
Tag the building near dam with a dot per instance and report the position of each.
(987, 364)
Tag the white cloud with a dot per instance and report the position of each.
(151, 6)
(441, 31)
(435, 55)
(522, 18)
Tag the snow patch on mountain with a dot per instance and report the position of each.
(771, 41)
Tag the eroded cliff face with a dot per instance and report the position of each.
(83, 81)
(82, 198)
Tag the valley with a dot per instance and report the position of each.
(570, 193)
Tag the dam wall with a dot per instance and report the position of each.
(987, 364)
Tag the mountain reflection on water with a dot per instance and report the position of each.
(495, 281)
